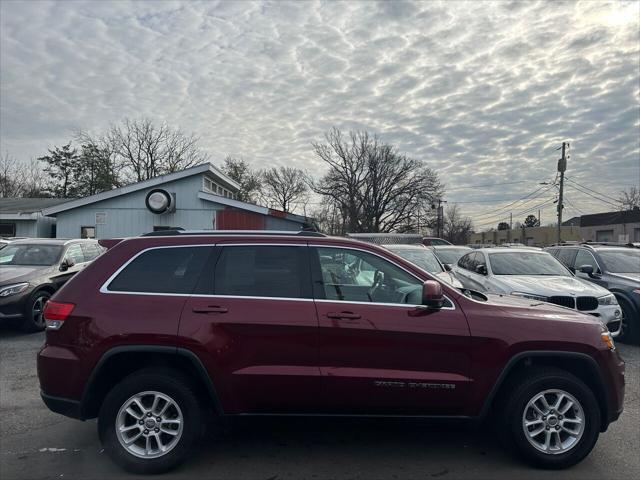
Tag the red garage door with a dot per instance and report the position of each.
(238, 220)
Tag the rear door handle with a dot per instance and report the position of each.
(210, 309)
(345, 315)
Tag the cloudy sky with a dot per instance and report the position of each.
(482, 92)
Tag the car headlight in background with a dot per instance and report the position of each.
(13, 289)
(608, 300)
(532, 296)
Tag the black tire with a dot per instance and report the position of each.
(33, 312)
(168, 382)
(630, 332)
(516, 398)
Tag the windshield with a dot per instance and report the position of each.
(422, 257)
(621, 261)
(526, 263)
(30, 255)
(451, 255)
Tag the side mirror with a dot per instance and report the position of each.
(447, 267)
(588, 269)
(66, 264)
(432, 296)
(481, 269)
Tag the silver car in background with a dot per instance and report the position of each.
(424, 258)
(536, 275)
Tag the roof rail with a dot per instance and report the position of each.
(611, 244)
(181, 232)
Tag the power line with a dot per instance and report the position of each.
(592, 190)
(546, 203)
(501, 210)
(593, 196)
(489, 185)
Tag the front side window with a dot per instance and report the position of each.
(91, 251)
(162, 270)
(566, 256)
(358, 276)
(465, 261)
(263, 271)
(585, 258)
(526, 263)
(75, 254)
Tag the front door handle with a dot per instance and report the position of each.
(210, 309)
(344, 315)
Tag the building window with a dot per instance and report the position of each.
(7, 229)
(636, 234)
(604, 235)
(87, 232)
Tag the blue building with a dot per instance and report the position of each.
(200, 198)
(23, 217)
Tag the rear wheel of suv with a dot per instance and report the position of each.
(149, 422)
(630, 323)
(34, 312)
(552, 418)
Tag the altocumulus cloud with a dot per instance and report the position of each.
(483, 92)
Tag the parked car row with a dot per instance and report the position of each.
(32, 270)
(602, 280)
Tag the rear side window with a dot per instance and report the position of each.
(263, 271)
(162, 270)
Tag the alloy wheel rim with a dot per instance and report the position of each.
(149, 424)
(37, 310)
(553, 421)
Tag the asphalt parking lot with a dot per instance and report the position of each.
(37, 444)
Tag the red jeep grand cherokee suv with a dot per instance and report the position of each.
(160, 329)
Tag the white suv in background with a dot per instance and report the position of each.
(536, 275)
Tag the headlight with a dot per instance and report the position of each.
(13, 289)
(532, 296)
(608, 300)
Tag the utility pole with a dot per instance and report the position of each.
(562, 167)
(539, 221)
(440, 218)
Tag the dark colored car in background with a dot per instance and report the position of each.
(161, 330)
(615, 267)
(31, 270)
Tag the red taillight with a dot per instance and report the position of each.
(56, 312)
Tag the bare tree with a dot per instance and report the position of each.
(456, 227)
(629, 199)
(142, 150)
(240, 171)
(284, 188)
(375, 188)
(19, 179)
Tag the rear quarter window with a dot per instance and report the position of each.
(162, 270)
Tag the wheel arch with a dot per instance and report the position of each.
(581, 365)
(118, 362)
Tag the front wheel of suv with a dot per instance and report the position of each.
(149, 422)
(630, 328)
(552, 418)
